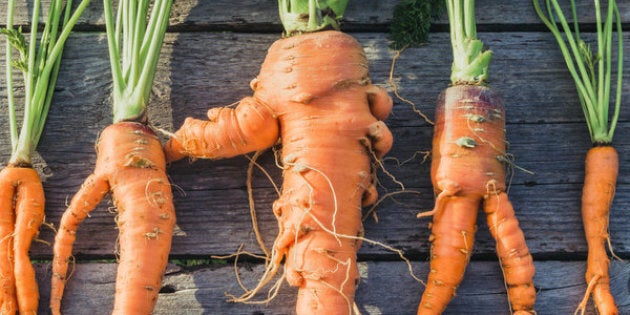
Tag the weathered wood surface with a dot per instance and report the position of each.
(201, 67)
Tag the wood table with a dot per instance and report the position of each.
(211, 52)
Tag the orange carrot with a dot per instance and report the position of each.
(22, 213)
(592, 74)
(469, 139)
(468, 171)
(602, 166)
(131, 165)
(313, 92)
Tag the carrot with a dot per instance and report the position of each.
(602, 167)
(130, 165)
(468, 170)
(20, 225)
(21, 191)
(313, 91)
(592, 72)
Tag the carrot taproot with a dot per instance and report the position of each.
(22, 198)
(601, 170)
(20, 226)
(130, 165)
(468, 163)
(313, 91)
(592, 74)
(469, 138)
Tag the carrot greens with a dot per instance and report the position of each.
(134, 50)
(591, 71)
(39, 65)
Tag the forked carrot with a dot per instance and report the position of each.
(19, 227)
(21, 191)
(130, 165)
(468, 170)
(592, 72)
(313, 91)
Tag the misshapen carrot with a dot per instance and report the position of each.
(601, 170)
(314, 92)
(468, 170)
(130, 164)
(22, 213)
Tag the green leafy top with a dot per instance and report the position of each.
(303, 16)
(134, 39)
(590, 71)
(39, 65)
(470, 60)
(412, 20)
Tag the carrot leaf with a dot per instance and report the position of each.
(412, 20)
(470, 59)
(134, 38)
(591, 71)
(39, 62)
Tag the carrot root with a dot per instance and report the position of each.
(131, 165)
(329, 117)
(22, 212)
(601, 171)
(468, 170)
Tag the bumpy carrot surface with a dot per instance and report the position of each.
(130, 164)
(21, 215)
(601, 169)
(468, 170)
(313, 92)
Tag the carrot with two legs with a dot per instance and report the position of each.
(468, 170)
(21, 191)
(592, 74)
(130, 164)
(313, 92)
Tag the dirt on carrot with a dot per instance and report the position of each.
(313, 92)
(131, 165)
(21, 215)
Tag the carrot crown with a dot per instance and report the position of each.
(39, 65)
(303, 16)
(590, 71)
(470, 59)
(134, 39)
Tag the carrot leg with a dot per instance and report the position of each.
(516, 262)
(29, 217)
(85, 200)
(602, 165)
(452, 239)
(8, 300)
(145, 226)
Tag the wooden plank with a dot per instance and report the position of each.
(385, 288)
(365, 15)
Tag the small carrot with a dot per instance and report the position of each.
(313, 91)
(468, 170)
(21, 191)
(592, 74)
(130, 165)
